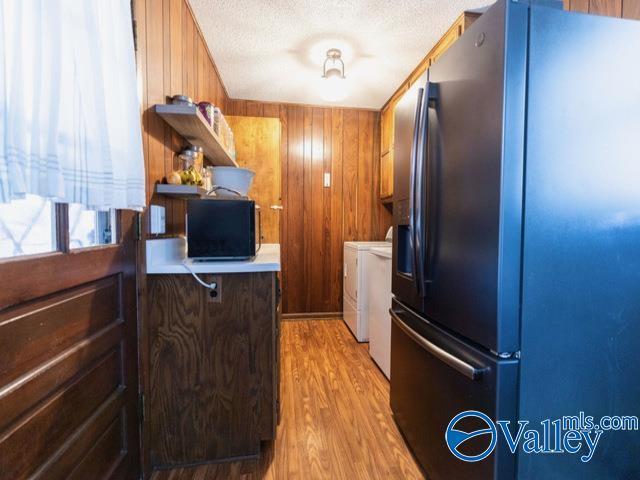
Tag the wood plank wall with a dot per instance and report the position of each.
(612, 8)
(316, 220)
(172, 58)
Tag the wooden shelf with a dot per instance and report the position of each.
(189, 123)
(180, 191)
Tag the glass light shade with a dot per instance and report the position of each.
(334, 88)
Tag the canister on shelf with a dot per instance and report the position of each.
(207, 178)
(206, 109)
(188, 158)
(217, 117)
(199, 156)
(182, 100)
(232, 146)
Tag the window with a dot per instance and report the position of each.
(88, 228)
(27, 226)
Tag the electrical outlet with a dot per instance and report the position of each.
(327, 180)
(215, 295)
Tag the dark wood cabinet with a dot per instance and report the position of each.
(213, 381)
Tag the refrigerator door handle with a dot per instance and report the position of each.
(424, 172)
(419, 194)
(412, 190)
(454, 362)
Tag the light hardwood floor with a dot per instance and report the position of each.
(336, 420)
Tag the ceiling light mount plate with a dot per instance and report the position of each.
(334, 53)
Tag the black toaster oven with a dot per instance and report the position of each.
(222, 229)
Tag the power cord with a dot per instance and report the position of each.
(210, 286)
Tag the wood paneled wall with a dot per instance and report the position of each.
(317, 220)
(172, 58)
(612, 8)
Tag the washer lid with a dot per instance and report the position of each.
(366, 245)
(382, 251)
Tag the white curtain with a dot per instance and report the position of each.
(69, 111)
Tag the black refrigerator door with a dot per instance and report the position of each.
(581, 258)
(434, 377)
(406, 134)
(472, 169)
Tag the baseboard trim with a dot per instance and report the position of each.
(311, 315)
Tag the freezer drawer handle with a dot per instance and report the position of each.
(461, 366)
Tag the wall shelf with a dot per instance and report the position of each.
(190, 124)
(180, 191)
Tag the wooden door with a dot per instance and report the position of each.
(68, 361)
(258, 148)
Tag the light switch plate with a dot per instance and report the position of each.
(327, 180)
(158, 220)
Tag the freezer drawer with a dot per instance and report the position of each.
(435, 376)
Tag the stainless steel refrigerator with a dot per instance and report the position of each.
(516, 254)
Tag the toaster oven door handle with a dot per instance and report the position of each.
(259, 228)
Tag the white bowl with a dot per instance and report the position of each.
(233, 178)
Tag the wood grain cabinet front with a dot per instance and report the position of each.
(387, 128)
(386, 176)
(213, 367)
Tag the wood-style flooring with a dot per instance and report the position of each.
(336, 420)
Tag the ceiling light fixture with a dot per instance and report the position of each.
(334, 86)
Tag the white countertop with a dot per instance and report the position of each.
(168, 255)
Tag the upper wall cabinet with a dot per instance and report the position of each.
(386, 117)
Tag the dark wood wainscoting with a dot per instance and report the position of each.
(68, 364)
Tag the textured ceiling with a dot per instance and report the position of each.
(273, 50)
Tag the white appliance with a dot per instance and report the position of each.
(378, 280)
(354, 298)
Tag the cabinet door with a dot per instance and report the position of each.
(386, 175)
(277, 362)
(211, 363)
(386, 129)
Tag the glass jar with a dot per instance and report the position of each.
(188, 159)
(207, 179)
(198, 153)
